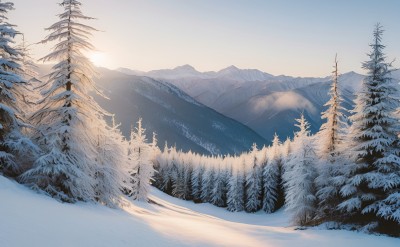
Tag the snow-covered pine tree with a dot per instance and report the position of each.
(162, 168)
(155, 151)
(371, 191)
(197, 176)
(68, 120)
(171, 170)
(207, 182)
(330, 141)
(14, 146)
(286, 149)
(181, 187)
(253, 181)
(272, 177)
(299, 178)
(141, 170)
(218, 192)
(236, 186)
(109, 173)
(187, 175)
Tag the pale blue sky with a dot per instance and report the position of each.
(292, 37)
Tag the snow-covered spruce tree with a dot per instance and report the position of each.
(236, 186)
(68, 120)
(181, 187)
(286, 149)
(155, 152)
(171, 169)
(272, 177)
(14, 147)
(162, 168)
(207, 182)
(330, 142)
(141, 170)
(372, 190)
(197, 176)
(253, 181)
(109, 173)
(218, 193)
(299, 179)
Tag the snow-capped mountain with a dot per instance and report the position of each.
(264, 102)
(172, 114)
(189, 72)
(234, 73)
(184, 71)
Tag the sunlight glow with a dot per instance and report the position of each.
(97, 58)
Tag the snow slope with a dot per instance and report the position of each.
(30, 219)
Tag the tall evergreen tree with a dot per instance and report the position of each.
(13, 145)
(330, 144)
(67, 122)
(181, 187)
(272, 177)
(207, 183)
(372, 189)
(236, 186)
(253, 181)
(299, 179)
(197, 176)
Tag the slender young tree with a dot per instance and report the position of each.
(13, 145)
(330, 141)
(299, 179)
(371, 191)
(68, 120)
(142, 171)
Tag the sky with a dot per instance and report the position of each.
(290, 37)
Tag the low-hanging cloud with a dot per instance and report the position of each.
(281, 101)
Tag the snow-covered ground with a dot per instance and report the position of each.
(30, 219)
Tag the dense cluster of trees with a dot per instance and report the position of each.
(67, 150)
(55, 138)
(348, 172)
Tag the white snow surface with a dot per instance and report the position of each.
(31, 219)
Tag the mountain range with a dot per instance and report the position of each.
(267, 104)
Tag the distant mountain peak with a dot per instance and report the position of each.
(231, 68)
(186, 67)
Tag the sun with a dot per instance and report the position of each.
(97, 58)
